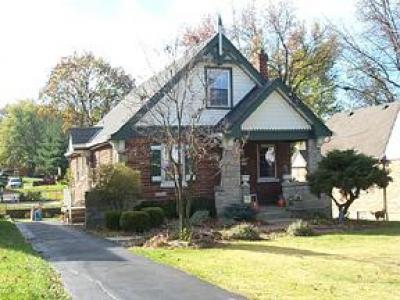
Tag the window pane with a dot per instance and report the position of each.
(267, 161)
(155, 161)
(218, 87)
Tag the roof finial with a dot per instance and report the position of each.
(220, 32)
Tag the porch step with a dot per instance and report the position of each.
(268, 214)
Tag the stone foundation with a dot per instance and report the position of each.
(300, 201)
(230, 190)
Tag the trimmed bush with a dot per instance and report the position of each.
(300, 228)
(244, 231)
(138, 221)
(240, 212)
(156, 214)
(168, 206)
(112, 220)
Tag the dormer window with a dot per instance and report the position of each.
(219, 87)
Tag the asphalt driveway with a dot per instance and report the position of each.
(92, 268)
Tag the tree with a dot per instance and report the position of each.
(50, 153)
(20, 134)
(371, 58)
(174, 122)
(303, 57)
(84, 88)
(349, 173)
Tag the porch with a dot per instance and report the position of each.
(268, 171)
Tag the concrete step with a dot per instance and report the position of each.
(272, 213)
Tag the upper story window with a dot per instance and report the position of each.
(219, 91)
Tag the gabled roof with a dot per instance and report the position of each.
(366, 130)
(244, 109)
(208, 47)
(83, 135)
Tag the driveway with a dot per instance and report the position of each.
(92, 268)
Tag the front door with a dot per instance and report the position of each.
(265, 163)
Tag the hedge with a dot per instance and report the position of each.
(168, 206)
(138, 221)
(112, 220)
(156, 215)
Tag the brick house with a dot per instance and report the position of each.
(239, 95)
(374, 131)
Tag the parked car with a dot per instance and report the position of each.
(14, 182)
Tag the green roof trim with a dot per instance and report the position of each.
(241, 112)
(278, 135)
(127, 130)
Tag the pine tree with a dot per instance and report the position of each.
(50, 155)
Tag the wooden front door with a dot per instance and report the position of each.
(266, 162)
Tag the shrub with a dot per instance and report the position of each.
(116, 185)
(156, 214)
(168, 206)
(300, 228)
(244, 231)
(239, 212)
(201, 204)
(199, 217)
(112, 220)
(138, 221)
(30, 196)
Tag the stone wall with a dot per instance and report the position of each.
(302, 202)
(372, 200)
(230, 190)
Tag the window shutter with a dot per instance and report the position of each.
(155, 163)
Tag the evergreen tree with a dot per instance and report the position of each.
(50, 154)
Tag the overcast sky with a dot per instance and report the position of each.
(36, 34)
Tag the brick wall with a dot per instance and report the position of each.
(138, 157)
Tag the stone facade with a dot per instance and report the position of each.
(372, 201)
(230, 190)
(81, 165)
(301, 201)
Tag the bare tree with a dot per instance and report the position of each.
(175, 121)
(372, 56)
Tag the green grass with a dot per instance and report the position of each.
(357, 265)
(23, 274)
(48, 192)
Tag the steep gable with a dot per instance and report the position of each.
(275, 113)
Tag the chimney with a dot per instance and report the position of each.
(260, 62)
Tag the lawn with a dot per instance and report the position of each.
(359, 265)
(48, 192)
(23, 274)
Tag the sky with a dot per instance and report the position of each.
(34, 35)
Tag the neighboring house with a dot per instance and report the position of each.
(374, 131)
(239, 95)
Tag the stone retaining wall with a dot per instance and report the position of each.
(301, 201)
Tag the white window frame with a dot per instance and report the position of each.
(166, 183)
(266, 179)
(228, 71)
(157, 148)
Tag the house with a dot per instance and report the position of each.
(374, 131)
(238, 94)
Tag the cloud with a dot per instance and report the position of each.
(35, 34)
